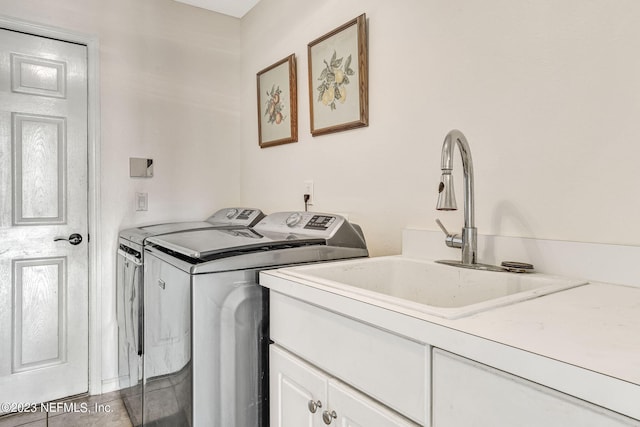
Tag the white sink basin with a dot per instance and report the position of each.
(428, 287)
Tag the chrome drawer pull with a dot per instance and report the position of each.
(313, 406)
(327, 416)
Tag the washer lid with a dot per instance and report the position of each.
(224, 218)
(204, 245)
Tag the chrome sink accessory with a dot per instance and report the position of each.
(468, 241)
(517, 267)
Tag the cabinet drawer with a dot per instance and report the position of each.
(467, 393)
(392, 369)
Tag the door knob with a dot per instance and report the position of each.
(74, 239)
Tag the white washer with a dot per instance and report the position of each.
(206, 317)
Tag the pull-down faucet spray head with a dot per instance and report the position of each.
(446, 195)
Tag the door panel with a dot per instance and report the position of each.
(39, 303)
(39, 159)
(38, 76)
(43, 195)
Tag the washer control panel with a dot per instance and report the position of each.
(293, 219)
(320, 222)
(308, 223)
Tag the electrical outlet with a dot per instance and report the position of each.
(308, 189)
(142, 202)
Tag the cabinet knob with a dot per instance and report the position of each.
(313, 406)
(327, 416)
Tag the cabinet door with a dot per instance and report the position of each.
(293, 384)
(354, 409)
(467, 394)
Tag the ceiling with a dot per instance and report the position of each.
(235, 8)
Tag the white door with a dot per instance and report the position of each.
(43, 195)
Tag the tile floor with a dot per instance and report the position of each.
(106, 410)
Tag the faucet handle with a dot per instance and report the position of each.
(452, 240)
(444, 230)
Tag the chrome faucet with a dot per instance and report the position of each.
(468, 241)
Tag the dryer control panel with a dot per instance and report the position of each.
(236, 216)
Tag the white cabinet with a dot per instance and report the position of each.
(467, 394)
(387, 356)
(389, 368)
(303, 396)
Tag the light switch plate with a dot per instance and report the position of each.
(308, 189)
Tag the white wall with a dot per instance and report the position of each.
(547, 93)
(169, 91)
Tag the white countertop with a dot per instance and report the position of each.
(595, 326)
(583, 341)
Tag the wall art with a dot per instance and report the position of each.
(338, 78)
(278, 103)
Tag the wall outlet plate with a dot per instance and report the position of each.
(308, 189)
(142, 202)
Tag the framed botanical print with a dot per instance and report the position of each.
(338, 78)
(278, 103)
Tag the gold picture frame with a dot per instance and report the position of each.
(278, 103)
(338, 78)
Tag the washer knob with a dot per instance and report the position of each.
(293, 219)
(231, 213)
